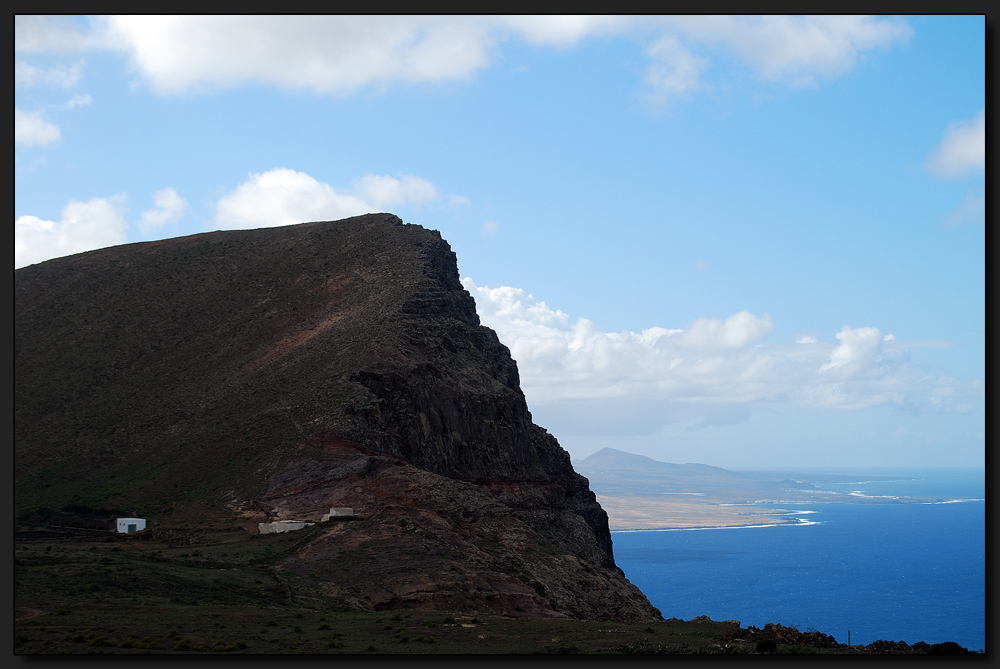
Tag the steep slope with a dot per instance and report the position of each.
(272, 374)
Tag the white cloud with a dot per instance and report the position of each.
(736, 332)
(859, 350)
(383, 191)
(341, 55)
(323, 54)
(962, 150)
(58, 76)
(564, 31)
(673, 71)
(807, 339)
(84, 226)
(30, 129)
(796, 49)
(283, 196)
(170, 207)
(711, 367)
(489, 228)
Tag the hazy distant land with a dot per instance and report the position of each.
(640, 493)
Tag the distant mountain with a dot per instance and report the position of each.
(616, 473)
(232, 378)
(613, 460)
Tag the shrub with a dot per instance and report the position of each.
(767, 646)
(948, 648)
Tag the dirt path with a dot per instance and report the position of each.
(32, 613)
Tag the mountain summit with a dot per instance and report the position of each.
(233, 378)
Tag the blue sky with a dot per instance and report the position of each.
(749, 242)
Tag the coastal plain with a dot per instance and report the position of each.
(639, 493)
(651, 513)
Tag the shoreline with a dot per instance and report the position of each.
(633, 514)
(626, 514)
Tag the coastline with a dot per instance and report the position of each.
(646, 513)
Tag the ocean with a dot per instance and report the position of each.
(898, 572)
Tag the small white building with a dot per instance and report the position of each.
(130, 525)
(338, 512)
(279, 526)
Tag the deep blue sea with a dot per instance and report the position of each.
(899, 572)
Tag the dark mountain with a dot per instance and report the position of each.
(239, 377)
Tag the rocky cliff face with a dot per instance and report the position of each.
(272, 374)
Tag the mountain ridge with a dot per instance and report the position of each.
(247, 376)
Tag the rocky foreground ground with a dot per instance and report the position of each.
(222, 590)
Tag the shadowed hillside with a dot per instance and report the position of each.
(232, 378)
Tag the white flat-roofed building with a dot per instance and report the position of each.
(280, 526)
(130, 525)
(338, 512)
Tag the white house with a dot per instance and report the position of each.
(279, 526)
(130, 525)
(337, 512)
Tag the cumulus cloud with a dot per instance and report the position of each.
(796, 49)
(84, 226)
(713, 369)
(283, 196)
(962, 149)
(383, 191)
(30, 129)
(735, 332)
(170, 207)
(859, 350)
(341, 55)
(323, 54)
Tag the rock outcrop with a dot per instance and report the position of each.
(272, 374)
